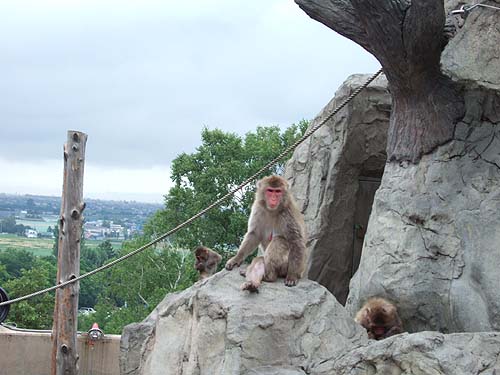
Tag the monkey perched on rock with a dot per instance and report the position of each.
(277, 225)
(380, 318)
(206, 261)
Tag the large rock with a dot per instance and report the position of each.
(433, 239)
(334, 175)
(424, 353)
(434, 233)
(472, 55)
(215, 328)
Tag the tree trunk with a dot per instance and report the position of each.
(407, 38)
(64, 349)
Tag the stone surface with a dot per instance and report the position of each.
(324, 174)
(215, 328)
(472, 55)
(424, 353)
(433, 239)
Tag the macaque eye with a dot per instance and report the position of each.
(273, 191)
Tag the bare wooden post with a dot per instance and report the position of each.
(64, 331)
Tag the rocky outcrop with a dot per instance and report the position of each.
(472, 55)
(432, 241)
(334, 175)
(422, 353)
(215, 328)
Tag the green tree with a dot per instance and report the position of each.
(220, 164)
(8, 224)
(106, 250)
(15, 260)
(37, 312)
(4, 275)
(131, 289)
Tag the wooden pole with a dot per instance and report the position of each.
(64, 329)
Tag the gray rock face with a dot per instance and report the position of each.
(215, 328)
(433, 238)
(472, 55)
(432, 242)
(334, 171)
(422, 353)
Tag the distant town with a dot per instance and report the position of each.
(36, 216)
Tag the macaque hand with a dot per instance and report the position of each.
(231, 263)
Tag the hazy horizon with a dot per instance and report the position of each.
(111, 197)
(142, 79)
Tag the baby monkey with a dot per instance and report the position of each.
(206, 261)
(380, 318)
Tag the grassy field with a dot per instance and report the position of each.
(40, 246)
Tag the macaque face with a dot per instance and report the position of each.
(200, 262)
(273, 197)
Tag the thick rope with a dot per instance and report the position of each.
(202, 212)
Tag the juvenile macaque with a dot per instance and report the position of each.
(380, 318)
(277, 226)
(206, 261)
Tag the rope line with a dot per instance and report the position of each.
(202, 212)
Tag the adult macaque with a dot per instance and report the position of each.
(277, 226)
(380, 318)
(206, 261)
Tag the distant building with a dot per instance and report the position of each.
(31, 233)
(95, 230)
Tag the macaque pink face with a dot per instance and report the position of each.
(273, 197)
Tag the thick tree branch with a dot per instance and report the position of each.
(338, 15)
(406, 37)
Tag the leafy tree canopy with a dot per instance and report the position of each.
(36, 312)
(15, 260)
(220, 164)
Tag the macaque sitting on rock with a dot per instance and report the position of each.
(277, 226)
(380, 318)
(206, 261)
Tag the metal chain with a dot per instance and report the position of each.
(202, 212)
(464, 10)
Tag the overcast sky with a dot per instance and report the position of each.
(142, 78)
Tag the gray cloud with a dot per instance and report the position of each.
(142, 78)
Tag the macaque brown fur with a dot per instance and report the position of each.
(380, 318)
(206, 261)
(277, 226)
